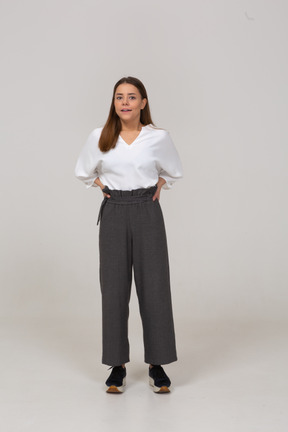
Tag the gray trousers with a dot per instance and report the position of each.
(132, 234)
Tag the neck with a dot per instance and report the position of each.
(131, 126)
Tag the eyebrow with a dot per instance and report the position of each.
(128, 93)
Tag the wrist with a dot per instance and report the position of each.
(161, 182)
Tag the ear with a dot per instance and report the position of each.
(144, 102)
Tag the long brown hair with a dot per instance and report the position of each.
(112, 127)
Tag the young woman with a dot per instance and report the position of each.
(131, 161)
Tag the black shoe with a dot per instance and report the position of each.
(116, 380)
(158, 379)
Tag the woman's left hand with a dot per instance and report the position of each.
(160, 183)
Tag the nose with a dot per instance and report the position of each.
(125, 101)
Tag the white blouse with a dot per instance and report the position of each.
(130, 166)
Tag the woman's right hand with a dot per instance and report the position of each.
(99, 183)
(105, 194)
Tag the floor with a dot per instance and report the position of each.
(230, 376)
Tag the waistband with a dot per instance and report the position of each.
(126, 197)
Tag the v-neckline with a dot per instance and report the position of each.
(140, 133)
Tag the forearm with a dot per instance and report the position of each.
(99, 183)
(161, 182)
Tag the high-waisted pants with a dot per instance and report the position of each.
(132, 234)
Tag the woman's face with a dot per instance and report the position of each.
(128, 102)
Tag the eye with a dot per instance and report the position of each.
(132, 97)
(118, 97)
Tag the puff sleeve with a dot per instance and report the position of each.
(89, 161)
(168, 161)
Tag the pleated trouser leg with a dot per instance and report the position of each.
(132, 234)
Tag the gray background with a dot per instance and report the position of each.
(216, 76)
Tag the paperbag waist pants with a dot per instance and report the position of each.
(132, 235)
